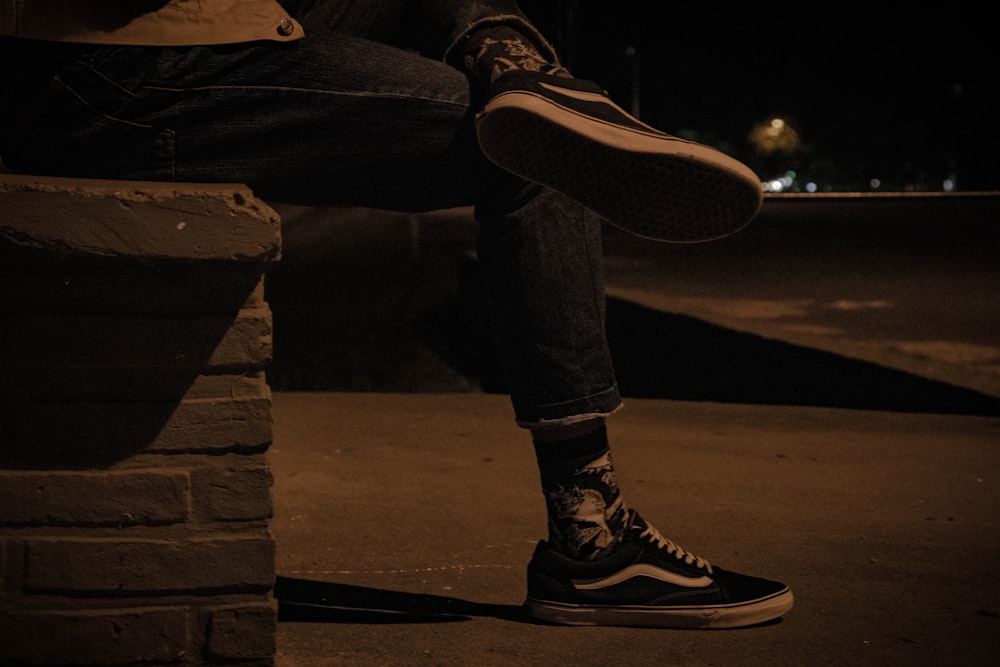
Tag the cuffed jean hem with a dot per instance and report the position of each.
(603, 404)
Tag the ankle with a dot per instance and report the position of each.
(587, 515)
(493, 51)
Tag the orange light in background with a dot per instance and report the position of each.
(776, 136)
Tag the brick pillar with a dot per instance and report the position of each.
(135, 419)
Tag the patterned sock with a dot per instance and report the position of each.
(494, 51)
(587, 515)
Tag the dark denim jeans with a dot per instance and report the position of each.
(362, 112)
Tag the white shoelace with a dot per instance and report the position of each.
(653, 535)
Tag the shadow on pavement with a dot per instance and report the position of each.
(308, 601)
(669, 356)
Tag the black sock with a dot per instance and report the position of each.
(586, 512)
(496, 50)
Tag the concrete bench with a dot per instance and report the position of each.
(135, 420)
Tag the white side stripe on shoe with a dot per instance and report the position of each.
(584, 96)
(581, 95)
(643, 570)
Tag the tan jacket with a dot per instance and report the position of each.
(148, 22)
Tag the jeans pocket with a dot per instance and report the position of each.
(79, 127)
(121, 68)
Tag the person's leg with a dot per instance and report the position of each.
(602, 563)
(340, 117)
(334, 120)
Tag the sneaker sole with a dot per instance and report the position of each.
(683, 618)
(654, 187)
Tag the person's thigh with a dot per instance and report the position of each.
(332, 119)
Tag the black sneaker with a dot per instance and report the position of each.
(568, 135)
(648, 581)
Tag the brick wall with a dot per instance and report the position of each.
(135, 491)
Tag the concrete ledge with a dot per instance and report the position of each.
(191, 221)
(135, 423)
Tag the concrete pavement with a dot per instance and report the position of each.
(404, 522)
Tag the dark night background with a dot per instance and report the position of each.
(897, 92)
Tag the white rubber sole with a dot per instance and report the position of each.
(644, 182)
(684, 618)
